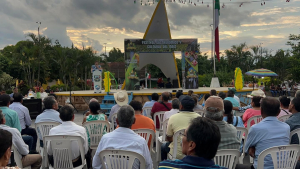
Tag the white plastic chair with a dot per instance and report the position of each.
(62, 151)
(200, 112)
(227, 158)
(160, 116)
(256, 120)
(176, 136)
(148, 111)
(296, 131)
(18, 158)
(160, 140)
(284, 157)
(43, 129)
(242, 133)
(146, 133)
(95, 131)
(284, 117)
(120, 159)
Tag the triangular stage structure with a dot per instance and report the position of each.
(158, 28)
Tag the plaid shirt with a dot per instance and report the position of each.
(243, 109)
(229, 138)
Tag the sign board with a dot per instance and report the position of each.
(97, 79)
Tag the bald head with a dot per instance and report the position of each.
(165, 96)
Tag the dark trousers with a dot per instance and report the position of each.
(31, 132)
(164, 151)
(28, 141)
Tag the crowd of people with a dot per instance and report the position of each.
(204, 134)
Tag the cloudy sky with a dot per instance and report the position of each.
(95, 22)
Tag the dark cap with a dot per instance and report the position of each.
(187, 102)
(4, 99)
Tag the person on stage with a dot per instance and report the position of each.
(96, 67)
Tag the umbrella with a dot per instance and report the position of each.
(260, 73)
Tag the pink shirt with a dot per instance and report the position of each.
(248, 114)
(284, 112)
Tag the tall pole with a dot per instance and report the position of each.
(212, 47)
(261, 66)
(105, 48)
(39, 60)
(213, 31)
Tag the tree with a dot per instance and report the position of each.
(294, 42)
(115, 55)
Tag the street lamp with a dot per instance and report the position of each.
(260, 45)
(105, 48)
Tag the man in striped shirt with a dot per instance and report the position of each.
(199, 147)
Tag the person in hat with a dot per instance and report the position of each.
(255, 96)
(177, 122)
(214, 110)
(11, 116)
(121, 98)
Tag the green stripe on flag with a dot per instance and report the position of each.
(217, 5)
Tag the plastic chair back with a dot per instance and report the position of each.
(121, 159)
(18, 158)
(284, 157)
(176, 137)
(95, 130)
(146, 133)
(296, 131)
(256, 120)
(43, 128)
(147, 111)
(160, 117)
(61, 146)
(284, 117)
(227, 158)
(242, 133)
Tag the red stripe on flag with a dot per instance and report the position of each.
(217, 47)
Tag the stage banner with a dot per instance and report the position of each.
(189, 58)
(97, 79)
(134, 47)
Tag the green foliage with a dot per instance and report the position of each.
(6, 81)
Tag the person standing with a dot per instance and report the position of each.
(24, 117)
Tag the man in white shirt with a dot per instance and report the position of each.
(68, 127)
(174, 110)
(33, 160)
(154, 99)
(24, 118)
(49, 114)
(123, 138)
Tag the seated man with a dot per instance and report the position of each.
(33, 160)
(68, 127)
(12, 118)
(174, 110)
(200, 144)
(24, 118)
(141, 122)
(284, 106)
(162, 105)
(177, 122)
(294, 120)
(262, 135)
(49, 114)
(123, 138)
(121, 98)
(214, 109)
(154, 99)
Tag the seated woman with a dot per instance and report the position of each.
(236, 121)
(94, 113)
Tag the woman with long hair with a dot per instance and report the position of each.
(95, 113)
(228, 115)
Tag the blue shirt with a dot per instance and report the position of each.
(189, 162)
(11, 117)
(234, 102)
(23, 113)
(294, 122)
(48, 115)
(239, 122)
(268, 133)
(148, 104)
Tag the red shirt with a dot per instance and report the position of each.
(157, 107)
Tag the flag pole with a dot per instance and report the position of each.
(214, 28)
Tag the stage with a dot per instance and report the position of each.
(80, 99)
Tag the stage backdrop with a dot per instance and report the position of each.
(135, 47)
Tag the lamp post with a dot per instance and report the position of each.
(39, 60)
(260, 45)
(105, 48)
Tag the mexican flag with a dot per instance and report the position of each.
(217, 13)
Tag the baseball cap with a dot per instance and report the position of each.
(187, 102)
(214, 101)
